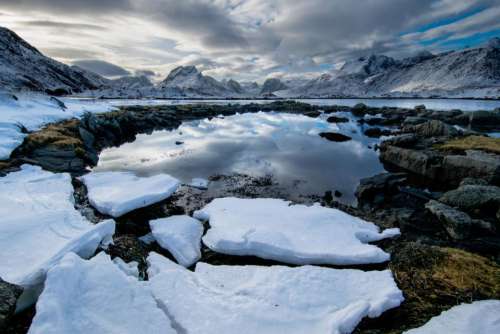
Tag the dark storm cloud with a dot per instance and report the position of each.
(102, 67)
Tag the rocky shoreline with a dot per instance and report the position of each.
(442, 191)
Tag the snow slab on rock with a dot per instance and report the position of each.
(96, 296)
(276, 299)
(181, 236)
(116, 193)
(40, 224)
(199, 183)
(482, 317)
(298, 234)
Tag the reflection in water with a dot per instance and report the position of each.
(285, 146)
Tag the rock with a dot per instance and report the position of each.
(130, 249)
(335, 119)
(376, 132)
(468, 181)
(434, 128)
(424, 163)
(359, 109)
(473, 197)
(413, 120)
(378, 186)
(337, 193)
(420, 108)
(333, 136)
(9, 293)
(404, 140)
(475, 164)
(312, 114)
(179, 142)
(456, 223)
(58, 102)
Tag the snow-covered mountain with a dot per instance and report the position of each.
(187, 80)
(272, 85)
(471, 72)
(23, 67)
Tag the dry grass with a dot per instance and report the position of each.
(64, 134)
(482, 143)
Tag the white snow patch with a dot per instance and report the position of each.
(482, 317)
(276, 299)
(130, 269)
(32, 111)
(116, 193)
(181, 236)
(298, 234)
(40, 225)
(95, 296)
(199, 183)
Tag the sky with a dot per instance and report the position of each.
(244, 39)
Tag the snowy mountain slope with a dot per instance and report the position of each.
(450, 74)
(23, 67)
(272, 85)
(189, 81)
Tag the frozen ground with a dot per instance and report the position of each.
(39, 225)
(96, 296)
(298, 234)
(277, 299)
(116, 193)
(181, 236)
(482, 317)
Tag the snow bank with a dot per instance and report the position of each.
(116, 193)
(277, 299)
(95, 296)
(298, 234)
(199, 183)
(181, 236)
(40, 225)
(481, 317)
(32, 111)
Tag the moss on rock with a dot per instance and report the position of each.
(482, 143)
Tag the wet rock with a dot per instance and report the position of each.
(474, 197)
(179, 142)
(424, 163)
(433, 128)
(475, 164)
(9, 293)
(359, 110)
(413, 120)
(456, 223)
(376, 132)
(312, 114)
(334, 136)
(335, 119)
(376, 188)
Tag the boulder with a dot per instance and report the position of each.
(424, 163)
(404, 140)
(335, 119)
(312, 114)
(434, 128)
(473, 197)
(376, 132)
(475, 164)
(376, 188)
(9, 293)
(359, 109)
(413, 120)
(456, 223)
(333, 136)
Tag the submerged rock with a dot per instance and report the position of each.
(336, 119)
(376, 132)
(333, 136)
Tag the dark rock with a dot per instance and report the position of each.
(376, 132)
(312, 114)
(473, 197)
(328, 197)
(420, 108)
(475, 164)
(359, 109)
(413, 120)
(129, 248)
(337, 193)
(59, 103)
(457, 223)
(9, 293)
(469, 181)
(433, 128)
(405, 140)
(377, 187)
(333, 136)
(424, 163)
(87, 137)
(335, 119)
(179, 142)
